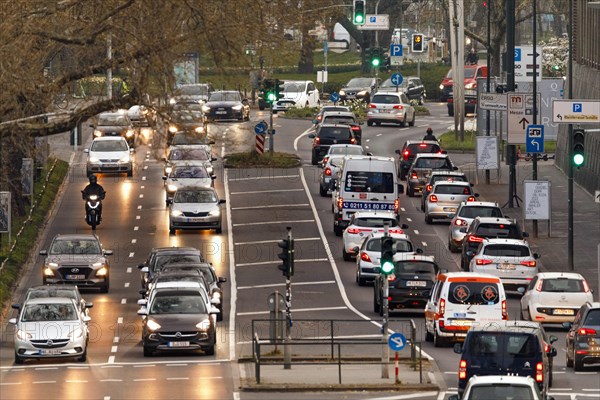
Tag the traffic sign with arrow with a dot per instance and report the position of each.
(520, 115)
(535, 139)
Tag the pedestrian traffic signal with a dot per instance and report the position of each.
(417, 43)
(578, 147)
(376, 57)
(387, 255)
(358, 12)
(287, 256)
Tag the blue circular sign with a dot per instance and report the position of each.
(335, 97)
(397, 341)
(260, 128)
(397, 79)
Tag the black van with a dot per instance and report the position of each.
(507, 348)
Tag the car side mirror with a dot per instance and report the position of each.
(400, 188)
(476, 194)
(552, 352)
(142, 302)
(12, 321)
(108, 252)
(89, 305)
(222, 279)
(398, 152)
(553, 339)
(144, 270)
(164, 177)
(222, 201)
(16, 306)
(142, 311)
(525, 234)
(536, 256)
(86, 318)
(315, 121)
(312, 136)
(404, 226)
(458, 348)
(142, 292)
(43, 252)
(419, 251)
(355, 249)
(86, 151)
(141, 265)
(369, 154)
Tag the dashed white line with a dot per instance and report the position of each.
(402, 209)
(145, 167)
(139, 207)
(111, 380)
(275, 222)
(126, 284)
(123, 301)
(42, 382)
(416, 232)
(106, 398)
(133, 241)
(424, 244)
(144, 379)
(263, 177)
(142, 187)
(120, 320)
(144, 366)
(10, 383)
(379, 134)
(136, 228)
(185, 378)
(86, 367)
(283, 283)
(268, 191)
(177, 365)
(409, 219)
(276, 262)
(141, 195)
(143, 178)
(131, 254)
(275, 241)
(44, 368)
(137, 217)
(111, 359)
(116, 339)
(129, 270)
(269, 206)
(114, 349)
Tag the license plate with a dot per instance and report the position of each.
(110, 165)
(50, 352)
(450, 209)
(179, 344)
(220, 112)
(194, 220)
(563, 311)
(75, 277)
(506, 266)
(416, 283)
(460, 322)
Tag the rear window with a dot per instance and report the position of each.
(373, 182)
(479, 211)
(502, 391)
(432, 163)
(161, 260)
(448, 178)
(346, 150)
(423, 148)
(593, 318)
(507, 250)
(510, 344)
(560, 285)
(385, 99)
(375, 222)
(453, 189)
(415, 267)
(402, 246)
(339, 120)
(498, 231)
(473, 293)
(334, 133)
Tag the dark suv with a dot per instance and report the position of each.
(359, 89)
(160, 256)
(411, 86)
(583, 338)
(485, 228)
(328, 134)
(507, 348)
(410, 150)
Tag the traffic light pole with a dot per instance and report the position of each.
(570, 149)
(385, 349)
(287, 354)
(271, 145)
(535, 105)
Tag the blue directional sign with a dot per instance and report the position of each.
(395, 50)
(397, 341)
(261, 128)
(397, 79)
(335, 97)
(517, 54)
(535, 139)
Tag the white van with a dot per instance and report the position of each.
(298, 94)
(460, 300)
(364, 183)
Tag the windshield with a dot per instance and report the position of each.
(49, 312)
(365, 181)
(112, 120)
(423, 148)
(385, 99)
(402, 246)
(186, 172)
(346, 150)
(109, 145)
(193, 196)
(292, 87)
(188, 117)
(506, 250)
(178, 304)
(473, 293)
(161, 260)
(479, 211)
(593, 318)
(359, 82)
(469, 73)
(562, 285)
(75, 246)
(225, 96)
(50, 292)
(339, 119)
(192, 154)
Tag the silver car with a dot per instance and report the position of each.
(467, 212)
(195, 208)
(49, 328)
(191, 173)
(179, 155)
(77, 259)
(109, 154)
(444, 199)
(390, 108)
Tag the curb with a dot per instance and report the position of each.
(397, 388)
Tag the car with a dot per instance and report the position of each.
(361, 224)
(77, 259)
(143, 119)
(466, 213)
(555, 297)
(115, 124)
(182, 154)
(324, 109)
(369, 254)
(411, 86)
(59, 290)
(160, 256)
(471, 73)
(50, 327)
(501, 387)
(191, 173)
(444, 199)
(519, 348)
(390, 108)
(186, 121)
(297, 94)
(326, 135)
(109, 154)
(330, 164)
(509, 259)
(192, 92)
(487, 227)
(409, 151)
(409, 285)
(345, 118)
(423, 165)
(177, 319)
(470, 103)
(191, 139)
(195, 208)
(440, 176)
(359, 89)
(226, 105)
(583, 338)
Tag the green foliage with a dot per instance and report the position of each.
(252, 159)
(304, 112)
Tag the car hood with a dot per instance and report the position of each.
(76, 259)
(44, 330)
(182, 182)
(109, 155)
(214, 104)
(111, 128)
(356, 88)
(194, 207)
(178, 322)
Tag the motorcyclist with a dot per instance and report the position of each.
(429, 135)
(94, 188)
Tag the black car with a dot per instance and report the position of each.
(470, 102)
(411, 86)
(326, 135)
(409, 151)
(319, 116)
(177, 320)
(161, 256)
(226, 105)
(345, 118)
(485, 228)
(115, 124)
(583, 338)
(359, 89)
(185, 121)
(507, 348)
(410, 285)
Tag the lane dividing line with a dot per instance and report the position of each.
(116, 339)
(123, 301)
(275, 222)
(416, 232)
(232, 276)
(263, 177)
(278, 262)
(129, 270)
(275, 241)
(306, 132)
(131, 254)
(297, 310)
(269, 206)
(268, 191)
(143, 178)
(283, 284)
(133, 241)
(120, 320)
(126, 284)
(139, 207)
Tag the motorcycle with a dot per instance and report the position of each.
(92, 210)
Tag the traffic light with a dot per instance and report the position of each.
(376, 57)
(578, 147)
(287, 256)
(387, 255)
(358, 12)
(268, 91)
(417, 43)
(278, 89)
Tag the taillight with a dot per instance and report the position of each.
(398, 107)
(428, 188)
(422, 145)
(586, 331)
(475, 239)
(504, 311)
(328, 171)
(472, 101)
(353, 231)
(355, 128)
(546, 347)
(433, 198)
(396, 205)
(413, 175)
(353, 141)
(406, 154)
(450, 100)
(365, 257)
(325, 159)
(399, 231)
(471, 198)
(586, 287)
(372, 105)
(391, 278)
(529, 263)
(482, 262)
(317, 140)
(539, 372)
(462, 369)
(460, 222)
(538, 286)
(442, 308)
(340, 203)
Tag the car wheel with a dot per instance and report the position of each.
(219, 230)
(322, 191)
(428, 219)
(313, 159)
(18, 359)
(422, 206)
(83, 357)
(403, 122)
(577, 362)
(412, 123)
(451, 112)
(421, 100)
(209, 351)
(88, 172)
(360, 281)
(220, 315)
(402, 176)
(147, 352)
(437, 340)
(369, 123)
(410, 191)
(171, 230)
(346, 256)
(104, 289)
(378, 123)
(130, 173)
(428, 336)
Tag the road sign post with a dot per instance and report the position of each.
(397, 342)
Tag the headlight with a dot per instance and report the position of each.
(129, 133)
(176, 213)
(152, 325)
(52, 264)
(199, 129)
(146, 131)
(172, 129)
(362, 93)
(205, 109)
(209, 169)
(203, 325)
(237, 108)
(216, 295)
(97, 133)
(94, 160)
(93, 197)
(441, 87)
(470, 85)
(76, 333)
(102, 271)
(168, 170)
(342, 93)
(22, 335)
(171, 188)
(215, 213)
(125, 159)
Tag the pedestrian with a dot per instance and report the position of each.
(429, 135)
(472, 57)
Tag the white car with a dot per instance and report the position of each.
(501, 387)
(331, 161)
(109, 154)
(49, 328)
(555, 297)
(188, 174)
(509, 259)
(369, 254)
(179, 155)
(298, 94)
(195, 208)
(362, 224)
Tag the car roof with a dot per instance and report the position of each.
(460, 275)
(334, 126)
(446, 173)
(173, 291)
(108, 138)
(379, 235)
(498, 220)
(366, 214)
(451, 183)
(225, 91)
(198, 189)
(431, 155)
(60, 286)
(413, 257)
(78, 236)
(479, 204)
(409, 142)
(176, 250)
(505, 241)
(339, 113)
(507, 326)
(568, 275)
(334, 146)
(178, 285)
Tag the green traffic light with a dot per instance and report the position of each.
(387, 268)
(359, 18)
(375, 62)
(271, 97)
(578, 159)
